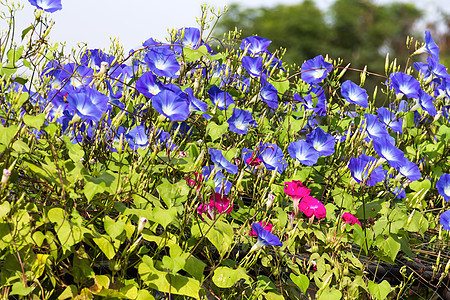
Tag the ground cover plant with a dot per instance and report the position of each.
(206, 168)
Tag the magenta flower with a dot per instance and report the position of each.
(350, 219)
(310, 206)
(297, 191)
(219, 204)
(266, 226)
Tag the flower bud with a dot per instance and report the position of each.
(5, 177)
(270, 199)
(141, 225)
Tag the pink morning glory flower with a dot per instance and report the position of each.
(350, 219)
(310, 206)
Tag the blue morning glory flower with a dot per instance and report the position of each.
(240, 120)
(149, 85)
(220, 98)
(319, 94)
(443, 186)
(165, 140)
(265, 238)
(389, 119)
(257, 44)
(88, 103)
(354, 94)
(388, 151)
(321, 141)
(426, 102)
(269, 94)
(315, 70)
(221, 184)
(219, 160)
(47, 5)
(404, 84)
(272, 157)
(304, 152)
(409, 170)
(189, 36)
(430, 47)
(424, 70)
(162, 61)
(194, 103)
(137, 137)
(445, 220)
(360, 166)
(171, 105)
(375, 129)
(437, 69)
(253, 65)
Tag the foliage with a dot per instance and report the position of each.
(174, 171)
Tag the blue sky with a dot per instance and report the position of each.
(95, 21)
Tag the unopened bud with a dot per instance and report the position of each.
(141, 225)
(5, 177)
(270, 199)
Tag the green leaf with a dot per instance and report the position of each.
(19, 288)
(221, 236)
(391, 248)
(192, 55)
(114, 228)
(302, 281)
(5, 207)
(144, 295)
(420, 185)
(106, 245)
(281, 86)
(379, 291)
(174, 264)
(91, 189)
(34, 121)
(225, 277)
(164, 216)
(14, 55)
(330, 294)
(444, 132)
(173, 193)
(69, 292)
(21, 147)
(7, 133)
(26, 30)
(216, 131)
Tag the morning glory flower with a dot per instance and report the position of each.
(315, 70)
(149, 85)
(374, 128)
(296, 190)
(218, 204)
(171, 105)
(430, 47)
(388, 152)
(437, 69)
(266, 226)
(265, 238)
(359, 168)
(137, 138)
(255, 44)
(310, 206)
(194, 103)
(240, 120)
(426, 103)
(321, 141)
(443, 186)
(424, 70)
(88, 103)
(409, 169)
(303, 152)
(445, 220)
(162, 61)
(221, 184)
(47, 5)
(350, 219)
(319, 94)
(249, 157)
(253, 65)
(189, 36)
(272, 157)
(354, 94)
(404, 84)
(389, 119)
(269, 94)
(220, 161)
(220, 98)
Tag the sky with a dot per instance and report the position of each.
(96, 21)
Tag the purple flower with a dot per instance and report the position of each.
(354, 94)
(430, 47)
(219, 160)
(137, 138)
(189, 36)
(321, 141)
(359, 168)
(88, 103)
(220, 98)
(315, 70)
(171, 105)
(265, 238)
(269, 94)
(194, 103)
(272, 157)
(409, 169)
(256, 44)
(253, 65)
(404, 84)
(374, 128)
(162, 61)
(304, 152)
(389, 119)
(443, 186)
(47, 5)
(389, 152)
(240, 120)
(149, 85)
(445, 220)
(426, 102)
(221, 184)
